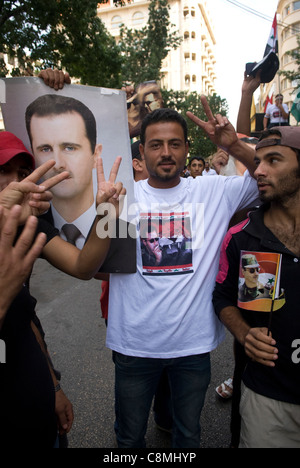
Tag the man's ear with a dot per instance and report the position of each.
(136, 164)
(97, 152)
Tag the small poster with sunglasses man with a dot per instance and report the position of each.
(259, 281)
(166, 243)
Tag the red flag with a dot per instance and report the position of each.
(272, 44)
(269, 100)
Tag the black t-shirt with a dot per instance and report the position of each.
(27, 397)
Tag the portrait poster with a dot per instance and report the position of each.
(145, 99)
(166, 243)
(259, 281)
(109, 110)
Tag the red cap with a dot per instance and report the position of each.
(11, 146)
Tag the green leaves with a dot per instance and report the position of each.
(143, 50)
(182, 101)
(64, 33)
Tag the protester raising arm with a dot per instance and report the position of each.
(33, 198)
(222, 133)
(250, 84)
(16, 260)
(85, 263)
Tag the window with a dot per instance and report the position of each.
(187, 79)
(295, 28)
(137, 18)
(116, 22)
(186, 35)
(286, 33)
(296, 6)
(286, 59)
(194, 79)
(193, 56)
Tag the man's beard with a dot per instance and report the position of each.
(286, 188)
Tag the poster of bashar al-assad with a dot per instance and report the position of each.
(74, 126)
(259, 281)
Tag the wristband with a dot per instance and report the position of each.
(57, 387)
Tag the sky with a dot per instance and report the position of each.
(241, 37)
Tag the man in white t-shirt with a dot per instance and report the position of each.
(154, 325)
(276, 114)
(208, 170)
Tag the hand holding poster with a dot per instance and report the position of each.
(74, 126)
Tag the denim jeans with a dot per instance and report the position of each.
(135, 385)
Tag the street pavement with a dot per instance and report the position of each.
(69, 310)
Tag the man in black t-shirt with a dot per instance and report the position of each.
(269, 328)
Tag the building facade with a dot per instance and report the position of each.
(191, 67)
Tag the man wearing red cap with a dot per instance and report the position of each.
(267, 343)
(29, 391)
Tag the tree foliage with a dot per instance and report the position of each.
(59, 33)
(182, 101)
(144, 49)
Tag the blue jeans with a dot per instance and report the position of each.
(135, 385)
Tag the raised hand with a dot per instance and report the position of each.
(16, 259)
(220, 160)
(33, 198)
(218, 128)
(251, 83)
(110, 191)
(54, 78)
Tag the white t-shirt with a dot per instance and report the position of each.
(209, 172)
(165, 310)
(274, 113)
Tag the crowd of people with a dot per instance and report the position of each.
(161, 343)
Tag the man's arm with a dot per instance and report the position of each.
(285, 114)
(16, 260)
(258, 345)
(265, 123)
(85, 263)
(222, 133)
(249, 86)
(63, 406)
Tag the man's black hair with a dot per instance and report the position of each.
(162, 115)
(53, 104)
(198, 158)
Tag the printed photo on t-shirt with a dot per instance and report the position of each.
(259, 281)
(166, 243)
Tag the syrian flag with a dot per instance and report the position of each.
(272, 44)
